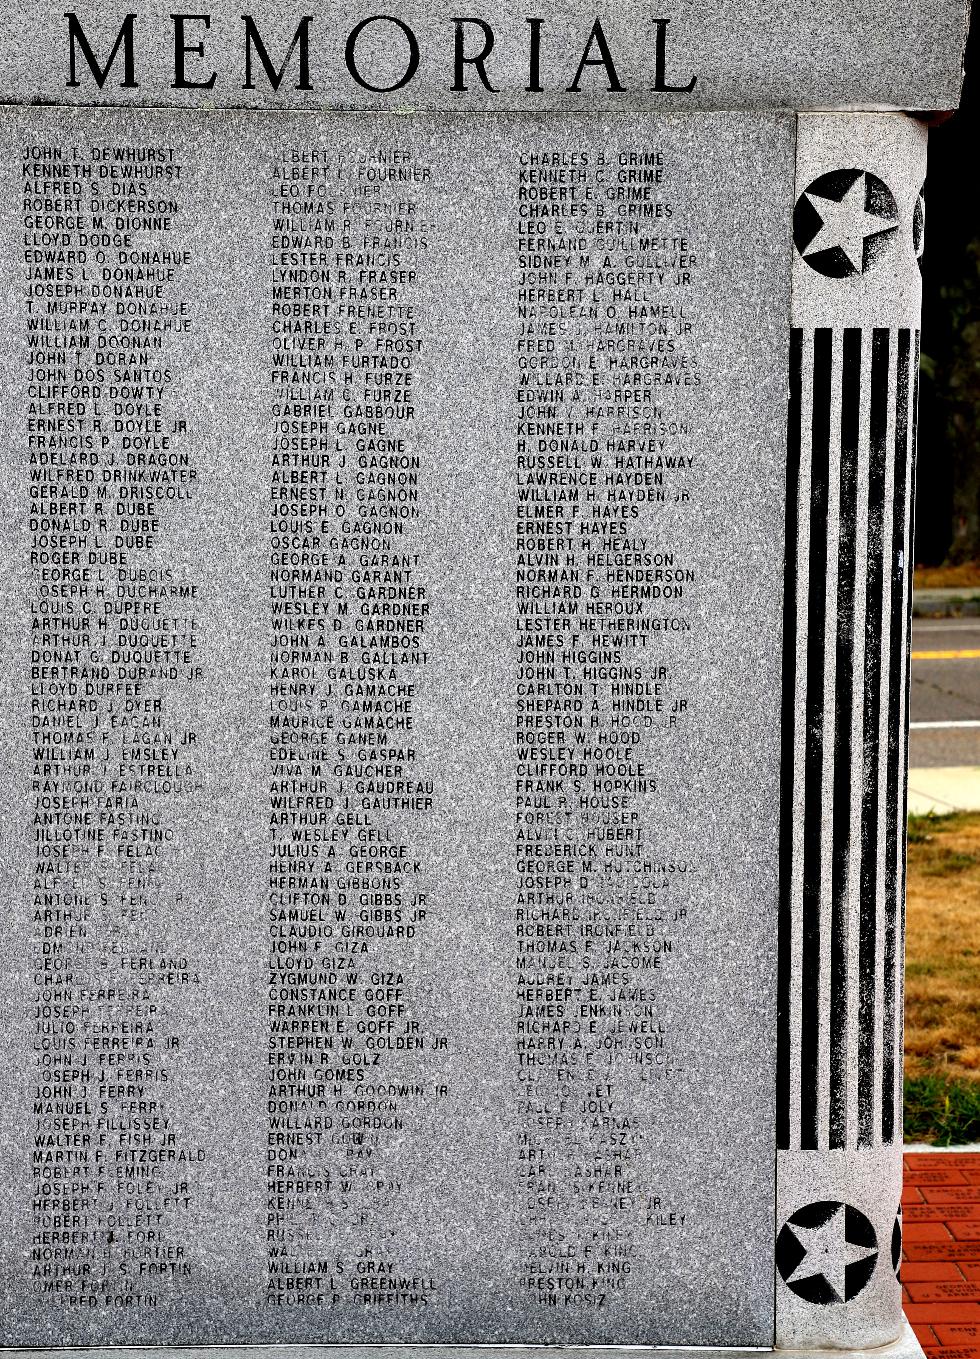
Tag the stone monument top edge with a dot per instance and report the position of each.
(682, 55)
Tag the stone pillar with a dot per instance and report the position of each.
(853, 384)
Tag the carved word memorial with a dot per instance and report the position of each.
(458, 477)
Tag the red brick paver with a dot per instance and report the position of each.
(941, 1257)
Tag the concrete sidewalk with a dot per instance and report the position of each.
(963, 602)
(955, 788)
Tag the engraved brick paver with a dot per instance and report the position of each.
(928, 1231)
(940, 1272)
(941, 1256)
(965, 1231)
(953, 1211)
(944, 1250)
(948, 1291)
(934, 1174)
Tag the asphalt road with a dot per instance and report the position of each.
(945, 690)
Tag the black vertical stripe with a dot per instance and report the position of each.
(903, 805)
(868, 942)
(813, 763)
(896, 671)
(787, 755)
(883, 768)
(913, 459)
(913, 462)
(844, 686)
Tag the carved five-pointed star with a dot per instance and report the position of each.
(846, 224)
(828, 1252)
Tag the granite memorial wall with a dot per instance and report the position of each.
(458, 476)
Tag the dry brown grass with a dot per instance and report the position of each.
(942, 971)
(965, 575)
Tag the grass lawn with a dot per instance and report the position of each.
(964, 576)
(942, 979)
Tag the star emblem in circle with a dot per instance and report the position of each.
(919, 226)
(897, 1245)
(844, 221)
(827, 1252)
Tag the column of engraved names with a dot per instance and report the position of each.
(605, 344)
(347, 910)
(113, 638)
